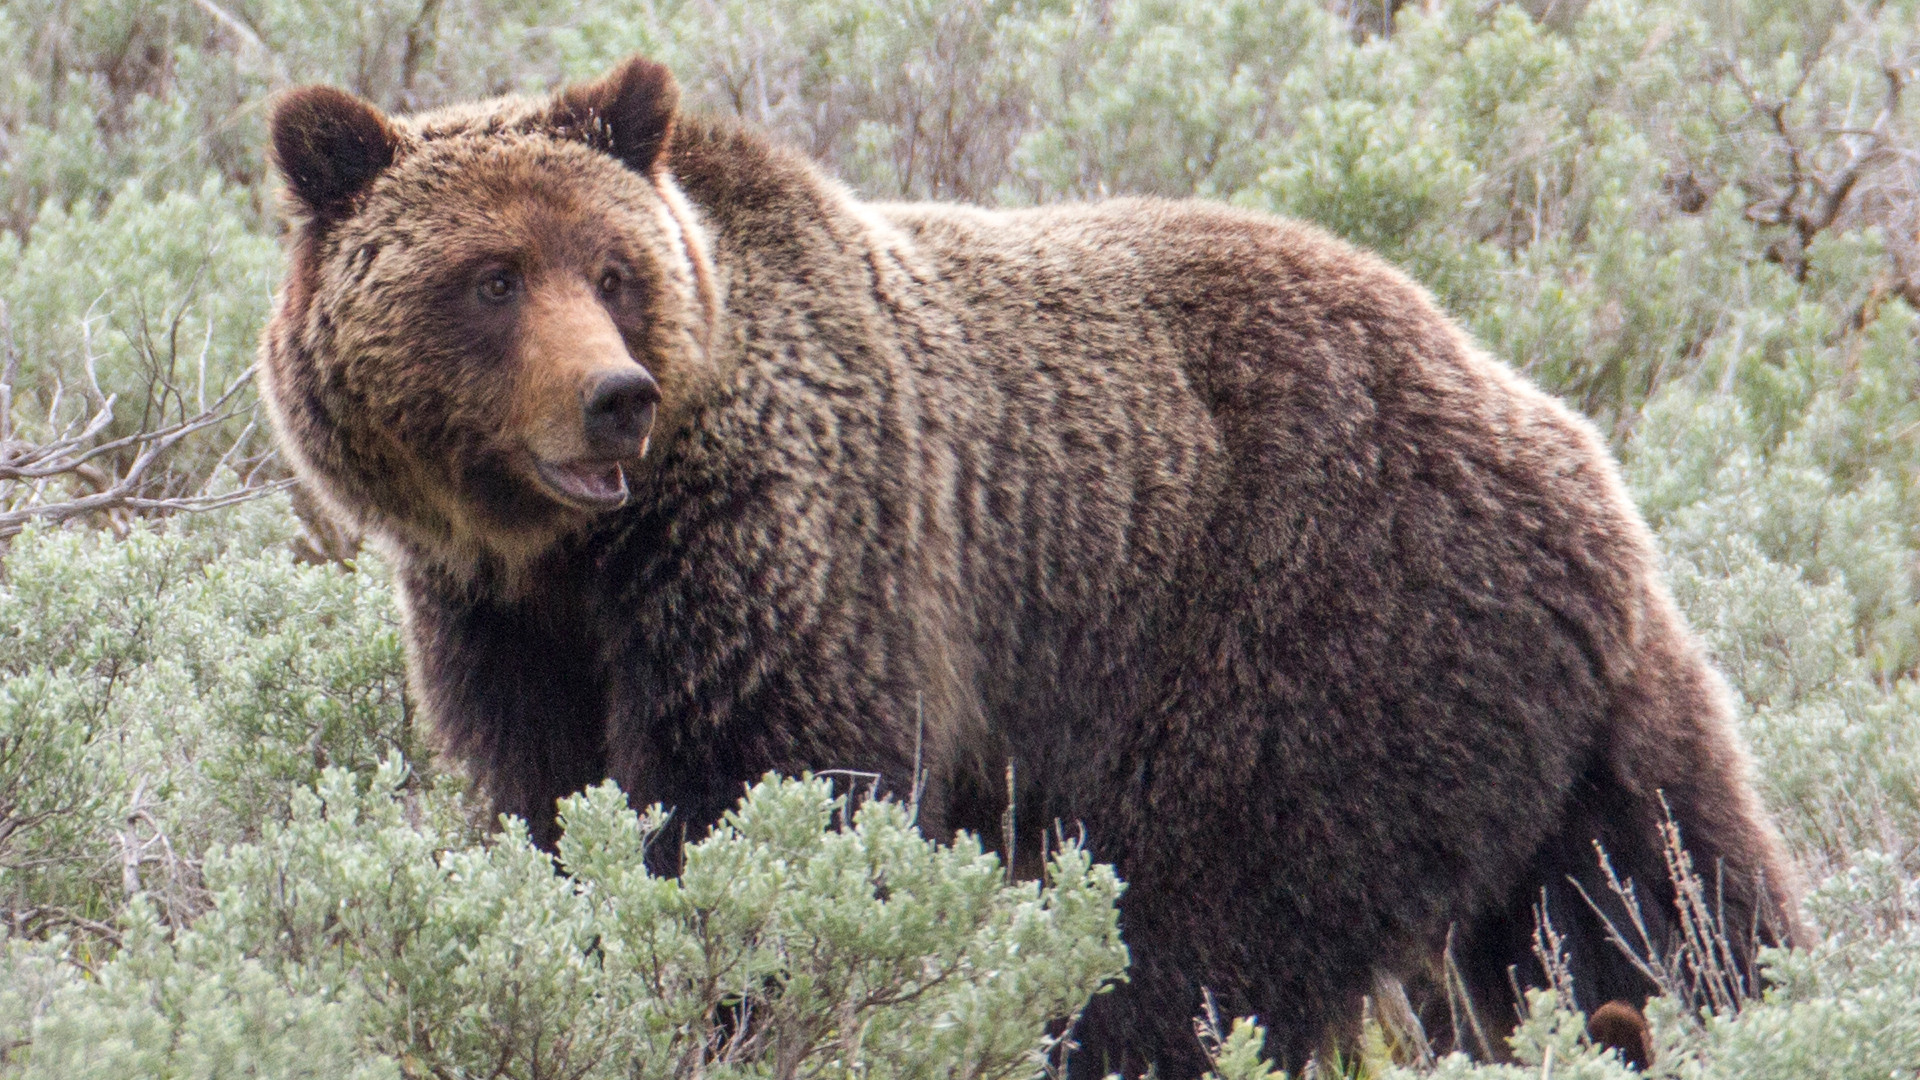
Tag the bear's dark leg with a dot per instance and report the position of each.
(1496, 953)
(1197, 922)
(1730, 859)
(513, 690)
(1186, 944)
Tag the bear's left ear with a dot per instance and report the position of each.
(629, 113)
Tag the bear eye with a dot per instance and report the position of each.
(610, 282)
(499, 286)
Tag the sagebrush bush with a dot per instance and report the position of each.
(170, 691)
(371, 936)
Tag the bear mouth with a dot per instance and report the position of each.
(589, 484)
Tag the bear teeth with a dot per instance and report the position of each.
(598, 484)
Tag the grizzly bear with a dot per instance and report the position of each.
(1341, 641)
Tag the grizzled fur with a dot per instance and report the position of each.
(1340, 639)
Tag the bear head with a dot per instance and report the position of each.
(490, 311)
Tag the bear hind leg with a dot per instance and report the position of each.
(1604, 879)
(1563, 902)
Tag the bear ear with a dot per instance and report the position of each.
(628, 114)
(329, 145)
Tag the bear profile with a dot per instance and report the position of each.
(1341, 641)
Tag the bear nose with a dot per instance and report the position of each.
(618, 409)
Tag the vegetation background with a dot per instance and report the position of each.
(225, 849)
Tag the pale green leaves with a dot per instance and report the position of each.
(369, 930)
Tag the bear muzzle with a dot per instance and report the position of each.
(617, 412)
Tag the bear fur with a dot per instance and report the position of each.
(1341, 641)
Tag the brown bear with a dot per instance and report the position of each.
(1339, 639)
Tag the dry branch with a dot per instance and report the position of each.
(1832, 170)
(75, 466)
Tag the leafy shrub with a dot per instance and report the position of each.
(170, 691)
(370, 937)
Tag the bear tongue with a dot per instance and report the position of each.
(600, 483)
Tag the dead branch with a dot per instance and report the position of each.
(252, 55)
(1704, 965)
(76, 468)
(1832, 169)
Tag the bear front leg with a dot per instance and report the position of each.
(512, 691)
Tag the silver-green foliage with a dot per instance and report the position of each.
(152, 303)
(170, 691)
(370, 936)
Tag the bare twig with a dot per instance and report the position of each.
(1832, 168)
(1701, 966)
(74, 450)
(1008, 823)
(1400, 1022)
(1207, 1027)
(1465, 1015)
(1552, 953)
(253, 55)
(919, 770)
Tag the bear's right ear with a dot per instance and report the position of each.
(628, 113)
(329, 145)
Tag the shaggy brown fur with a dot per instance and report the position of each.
(1336, 635)
(1622, 1027)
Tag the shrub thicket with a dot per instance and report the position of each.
(1697, 220)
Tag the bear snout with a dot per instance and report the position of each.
(617, 413)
